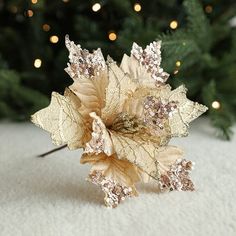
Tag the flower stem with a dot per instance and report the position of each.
(52, 151)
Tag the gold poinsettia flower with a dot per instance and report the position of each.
(123, 118)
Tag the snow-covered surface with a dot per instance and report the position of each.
(50, 197)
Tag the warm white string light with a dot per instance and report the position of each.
(54, 39)
(173, 24)
(137, 7)
(37, 63)
(112, 36)
(178, 63)
(215, 105)
(30, 13)
(96, 7)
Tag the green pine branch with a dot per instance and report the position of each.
(208, 75)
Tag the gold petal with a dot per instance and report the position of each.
(82, 63)
(177, 177)
(144, 65)
(119, 87)
(136, 71)
(134, 106)
(91, 92)
(100, 141)
(62, 119)
(145, 155)
(121, 171)
(114, 192)
(115, 177)
(167, 156)
(187, 110)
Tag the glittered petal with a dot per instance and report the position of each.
(144, 65)
(136, 71)
(122, 171)
(115, 177)
(177, 177)
(82, 63)
(63, 121)
(114, 192)
(187, 110)
(134, 105)
(100, 141)
(167, 156)
(153, 119)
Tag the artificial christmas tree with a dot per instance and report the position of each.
(198, 40)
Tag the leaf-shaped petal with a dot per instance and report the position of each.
(177, 177)
(136, 71)
(63, 120)
(82, 63)
(115, 177)
(144, 65)
(144, 154)
(91, 92)
(187, 110)
(122, 171)
(120, 86)
(138, 105)
(100, 141)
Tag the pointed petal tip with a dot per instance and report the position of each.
(135, 44)
(67, 41)
(32, 118)
(156, 43)
(67, 37)
(109, 59)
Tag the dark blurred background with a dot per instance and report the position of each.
(198, 46)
